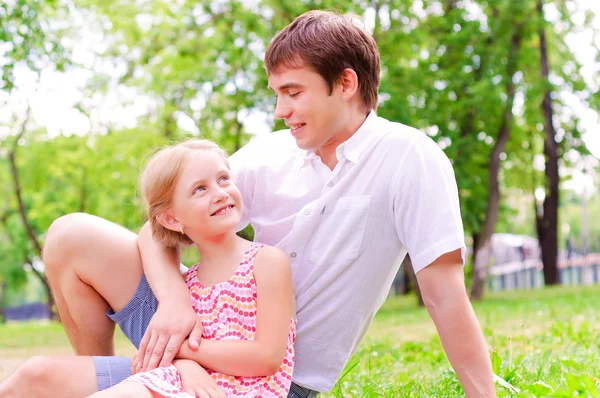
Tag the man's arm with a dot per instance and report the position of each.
(443, 290)
(175, 319)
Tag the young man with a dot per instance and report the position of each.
(345, 193)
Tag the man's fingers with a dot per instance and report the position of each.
(171, 349)
(196, 335)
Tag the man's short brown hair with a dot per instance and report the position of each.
(329, 42)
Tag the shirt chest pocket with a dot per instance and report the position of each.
(339, 236)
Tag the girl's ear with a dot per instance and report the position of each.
(168, 220)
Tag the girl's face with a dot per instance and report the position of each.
(206, 201)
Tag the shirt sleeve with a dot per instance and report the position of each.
(426, 205)
(245, 179)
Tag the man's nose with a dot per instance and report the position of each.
(282, 110)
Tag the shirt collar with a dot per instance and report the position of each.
(352, 148)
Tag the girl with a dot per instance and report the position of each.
(242, 291)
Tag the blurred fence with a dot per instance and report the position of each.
(27, 312)
(528, 274)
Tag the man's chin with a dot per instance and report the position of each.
(304, 145)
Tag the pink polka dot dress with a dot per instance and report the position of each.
(228, 312)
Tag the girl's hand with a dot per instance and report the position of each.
(196, 381)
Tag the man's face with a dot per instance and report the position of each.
(303, 101)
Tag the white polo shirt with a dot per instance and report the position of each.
(346, 231)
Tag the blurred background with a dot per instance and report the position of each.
(507, 88)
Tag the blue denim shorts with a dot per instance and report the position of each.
(133, 320)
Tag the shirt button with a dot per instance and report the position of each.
(307, 212)
(293, 255)
(330, 184)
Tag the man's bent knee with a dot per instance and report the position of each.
(64, 234)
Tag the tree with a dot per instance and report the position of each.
(547, 222)
(482, 248)
(29, 43)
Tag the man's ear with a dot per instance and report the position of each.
(349, 83)
(168, 220)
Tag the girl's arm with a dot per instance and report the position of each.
(275, 307)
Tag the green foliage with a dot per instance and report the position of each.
(28, 38)
(572, 215)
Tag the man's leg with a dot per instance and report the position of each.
(91, 264)
(52, 377)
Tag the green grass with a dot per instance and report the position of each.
(544, 343)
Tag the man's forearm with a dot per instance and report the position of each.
(465, 346)
(161, 267)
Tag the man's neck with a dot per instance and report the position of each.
(327, 152)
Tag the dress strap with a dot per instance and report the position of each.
(247, 263)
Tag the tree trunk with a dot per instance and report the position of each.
(15, 175)
(49, 297)
(475, 237)
(547, 223)
(412, 278)
(483, 250)
(376, 5)
(23, 213)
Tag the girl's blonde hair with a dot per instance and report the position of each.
(159, 179)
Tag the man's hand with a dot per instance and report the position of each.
(196, 381)
(167, 330)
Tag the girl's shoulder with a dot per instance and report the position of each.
(270, 259)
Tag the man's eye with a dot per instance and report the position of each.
(294, 94)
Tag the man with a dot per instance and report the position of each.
(345, 193)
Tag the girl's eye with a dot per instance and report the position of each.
(294, 94)
(224, 178)
(199, 188)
